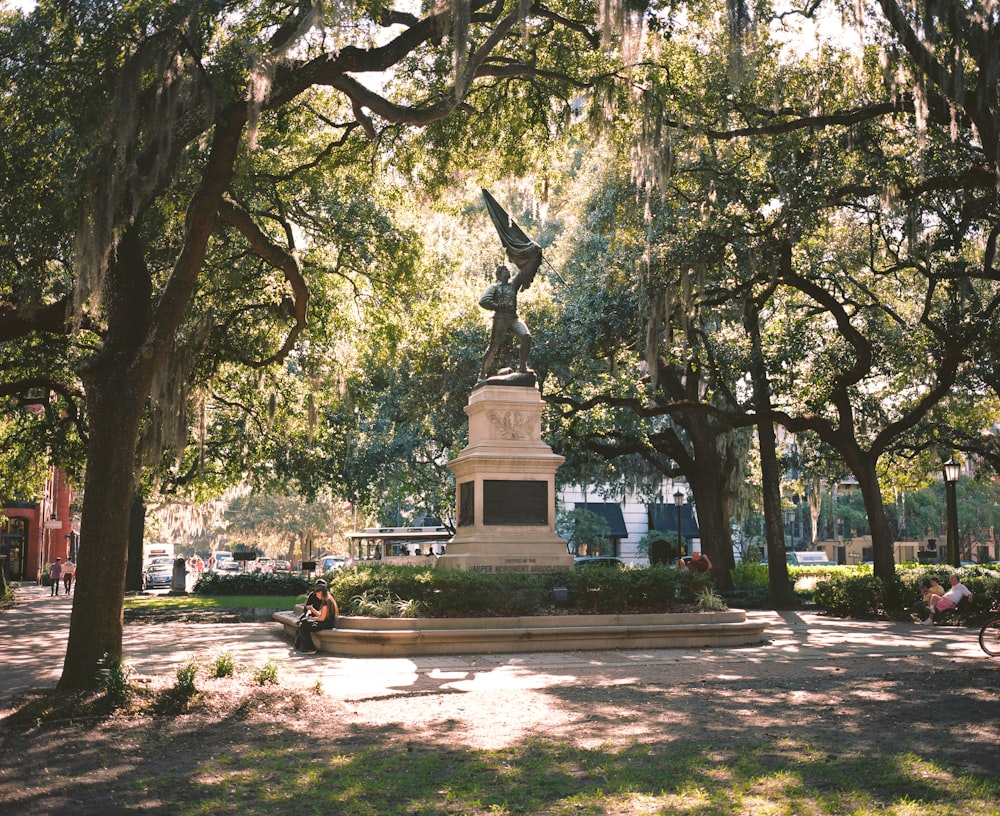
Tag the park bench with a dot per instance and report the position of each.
(960, 615)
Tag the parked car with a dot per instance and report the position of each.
(282, 567)
(607, 561)
(230, 565)
(263, 564)
(219, 557)
(158, 573)
(332, 563)
(812, 558)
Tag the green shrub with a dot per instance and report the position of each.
(383, 590)
(746, 575)
(749, 597)
(114, 679)
(223, 665)
(185, 679)
(860, 595)
(711, 601)
(267, 674)
(250, 583)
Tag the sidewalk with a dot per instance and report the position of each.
(33, 639)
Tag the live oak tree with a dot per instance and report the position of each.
(815, 213)
(145, 138)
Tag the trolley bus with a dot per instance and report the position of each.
(398, 545)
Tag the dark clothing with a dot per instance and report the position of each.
(308, 625)
(501, 299)
(698, 565)
(55, 573)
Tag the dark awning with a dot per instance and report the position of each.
(663, 517)
(611, 512)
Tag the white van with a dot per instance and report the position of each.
(813, 558)
(220, 556)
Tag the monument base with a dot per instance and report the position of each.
(515, 563)
(506, 550)
(505, 485)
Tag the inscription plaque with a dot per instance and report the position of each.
(466, 504)
(508, 502)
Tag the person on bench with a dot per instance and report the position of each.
(322, 614)
(928, 590)
(951, 598)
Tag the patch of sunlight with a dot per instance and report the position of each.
(781, 785)
(692, 797)
(760, 806)
(643, 804)
(724, 775)
(640, 803)
(905, 808)
(923, 770)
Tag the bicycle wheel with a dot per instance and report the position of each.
(989, 637)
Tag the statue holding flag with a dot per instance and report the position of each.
(501, 297)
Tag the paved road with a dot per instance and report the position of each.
(33, 638)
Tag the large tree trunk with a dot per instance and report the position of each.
(882, 555)
(777, 570)
(708, 470)
(707, 457)
(137, 342)
(117, 385)
(713, 523)
(96, 621)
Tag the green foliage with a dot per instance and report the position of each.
(114, 680)
(383, 590)
(859, 595)
(222, 666)
(983, 582)
(710, 600)
(585, 531)
(216, 583)
(372, 603)
(377, 603)
(646, 542)
(7, 598)
(267, 674)
(185, 679)
(749, 574)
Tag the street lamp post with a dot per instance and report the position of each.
(951, 471)
(679, 502)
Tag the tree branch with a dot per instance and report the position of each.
(238, 218)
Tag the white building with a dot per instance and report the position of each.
(630, 516)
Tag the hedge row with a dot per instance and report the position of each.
(455, 593)
(250, 583)
(863, 595)
(848, 591)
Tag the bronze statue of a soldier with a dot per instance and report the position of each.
(501, 297)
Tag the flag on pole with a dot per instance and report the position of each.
(522, 251)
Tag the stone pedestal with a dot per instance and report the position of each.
(505, 481)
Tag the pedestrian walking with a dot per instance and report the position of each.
(55, 573)
(68, 572)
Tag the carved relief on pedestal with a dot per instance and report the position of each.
(511, 424)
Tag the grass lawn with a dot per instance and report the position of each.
(177, 603)
(722, 748)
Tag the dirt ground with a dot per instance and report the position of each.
(70, 754)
